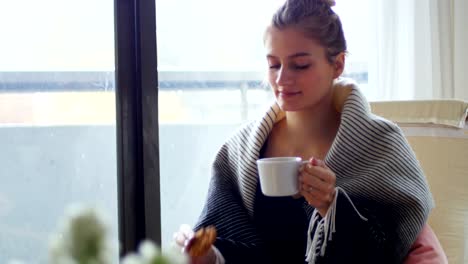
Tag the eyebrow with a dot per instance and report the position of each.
(295, 55)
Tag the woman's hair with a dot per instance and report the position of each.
(317, 20)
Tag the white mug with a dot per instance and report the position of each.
(279, 176)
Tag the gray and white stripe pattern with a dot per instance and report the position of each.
(370, 157)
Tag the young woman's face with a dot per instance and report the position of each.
(299, 72)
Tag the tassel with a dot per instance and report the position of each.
(325, 229)
(312, 244)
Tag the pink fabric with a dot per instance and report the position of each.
(426, 249)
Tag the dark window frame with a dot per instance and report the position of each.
(136, 79)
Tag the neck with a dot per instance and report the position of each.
(315, 124)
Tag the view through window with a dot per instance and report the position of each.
(57, 120)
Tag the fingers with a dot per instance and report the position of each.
(186, 229)
(185, 237)
(320, 171)
(182, 236)
(179, 238)
(318, 200)
(317, 162)
(317, 184)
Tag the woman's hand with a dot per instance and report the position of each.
(317, 184)
(183, 237)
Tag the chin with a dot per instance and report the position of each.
(289, 107)
(297, 105)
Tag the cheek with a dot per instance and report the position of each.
(316, 78)
(311, 79)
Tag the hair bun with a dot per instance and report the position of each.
(330, 3)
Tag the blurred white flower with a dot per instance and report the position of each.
(81, 239)
(132, 258)
(149, 253)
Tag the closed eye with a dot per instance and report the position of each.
(301, 67)
(275, 66)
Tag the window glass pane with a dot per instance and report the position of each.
(207, 88)
(355, 19)
(57, 120)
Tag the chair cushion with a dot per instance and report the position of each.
(426, 249)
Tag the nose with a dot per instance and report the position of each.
(284, 77)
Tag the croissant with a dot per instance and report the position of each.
(201, 241)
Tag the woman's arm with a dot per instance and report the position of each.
(237, 240)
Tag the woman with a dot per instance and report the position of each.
(363, 196)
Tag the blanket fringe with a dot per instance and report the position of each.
(325, 229)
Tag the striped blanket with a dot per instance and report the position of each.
(372, 162)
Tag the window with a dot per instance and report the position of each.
(57, 119)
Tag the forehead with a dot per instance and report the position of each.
(285, 42)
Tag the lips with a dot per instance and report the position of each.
(288, 94)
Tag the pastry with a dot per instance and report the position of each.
(201, 241)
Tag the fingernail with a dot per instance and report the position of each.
(314, 162)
